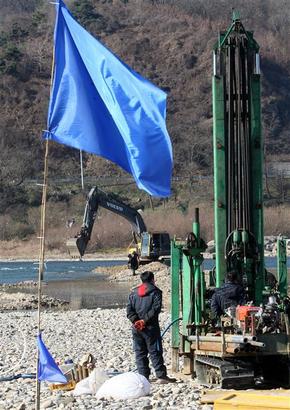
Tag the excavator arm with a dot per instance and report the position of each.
(97, 198)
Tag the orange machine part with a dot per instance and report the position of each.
(245, 311)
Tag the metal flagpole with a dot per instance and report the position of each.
(42, 248)
(82, 170)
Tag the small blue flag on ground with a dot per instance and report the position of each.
(100, 105)
(47, 368)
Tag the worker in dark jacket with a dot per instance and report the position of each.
(134, 262)
(231, 293)
(144, 306)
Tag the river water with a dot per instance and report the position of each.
(76, 282)
(73, 281)
(13, 272)
(73, 270)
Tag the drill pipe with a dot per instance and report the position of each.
(228, 338)
(257, 344)
(217, 347)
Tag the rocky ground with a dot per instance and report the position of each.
(105, 334)
(12, 299)
(23, 301)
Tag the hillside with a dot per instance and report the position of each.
(166, 41)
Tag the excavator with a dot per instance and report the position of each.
(248, 345)
(150, 246)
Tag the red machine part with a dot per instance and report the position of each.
(246, 317)
(243, 312)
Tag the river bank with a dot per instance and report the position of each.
(23, 250)
(101, 286)
(23, 301)
(88, 284)
(28, 250)
(122, 275)
(106, 334)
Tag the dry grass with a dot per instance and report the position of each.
(111, 231)
(277, 220)
(178, 223)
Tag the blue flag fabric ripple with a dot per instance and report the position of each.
(100, 105)
(47, 368)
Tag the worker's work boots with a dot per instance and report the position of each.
(165, 380)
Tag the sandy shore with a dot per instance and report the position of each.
(17, 250)
(29, 250)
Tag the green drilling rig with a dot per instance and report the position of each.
(249, 345)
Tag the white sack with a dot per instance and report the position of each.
(96, 379)
(82, 387)
(91, 384)
(124, 386)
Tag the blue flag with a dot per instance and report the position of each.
(100, 105)
(47, 368)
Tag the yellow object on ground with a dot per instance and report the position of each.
(67, 386)
(248, 401)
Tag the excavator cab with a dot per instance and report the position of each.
(154, 246)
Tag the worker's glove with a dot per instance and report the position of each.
(139, 325)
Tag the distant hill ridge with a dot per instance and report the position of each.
(169, 42)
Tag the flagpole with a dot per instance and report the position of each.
(41, 265)
(42, 245)
(82, 170)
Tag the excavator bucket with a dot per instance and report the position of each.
(76, 247)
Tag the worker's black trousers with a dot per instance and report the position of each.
(149, 341)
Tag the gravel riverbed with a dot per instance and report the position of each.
(24, 301)
(106, 334)
(121, 274)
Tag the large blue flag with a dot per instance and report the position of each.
(47, 368)
(100, 105)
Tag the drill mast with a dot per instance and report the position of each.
(246, 345)
(238, 159)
